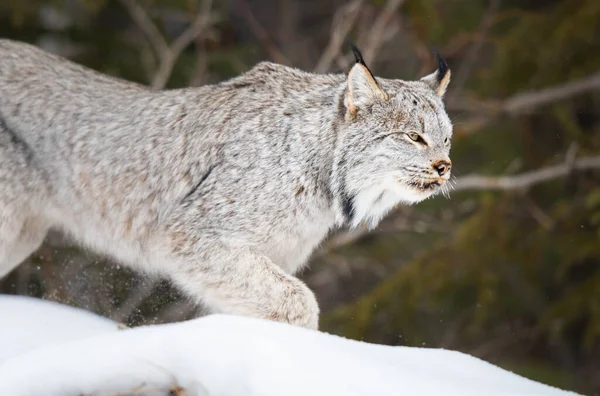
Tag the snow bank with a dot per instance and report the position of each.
(29, 323)
(226, 356)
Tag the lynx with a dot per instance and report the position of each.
(225, 189)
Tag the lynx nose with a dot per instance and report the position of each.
(442, 167)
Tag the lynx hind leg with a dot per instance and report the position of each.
(22, 230)
(245, 282)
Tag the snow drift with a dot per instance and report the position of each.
(51, 349)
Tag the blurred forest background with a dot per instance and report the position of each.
(507, 269)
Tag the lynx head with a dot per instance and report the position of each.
(396, 142)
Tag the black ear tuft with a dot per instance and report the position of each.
(363, 89)
(359, 59)
(439, 79)
(442, 66)
(357, 55)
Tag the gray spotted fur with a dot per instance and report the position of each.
(227, 188)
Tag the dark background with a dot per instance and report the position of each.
(507, 269)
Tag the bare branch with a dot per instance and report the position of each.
(143, 21)
(169, 57)
(343, 21)
(136, 298)
(342, 239)
(200, 74)
(529, 101)
(263, 36)
(527, 179)
(174, 390)
(379, 33)
(167, 54)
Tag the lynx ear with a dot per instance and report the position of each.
(363, 89)
(439, 80)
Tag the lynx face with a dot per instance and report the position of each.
(397, 142)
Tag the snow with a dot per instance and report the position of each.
(30, 323)
(58, 350)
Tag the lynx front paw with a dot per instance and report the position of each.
(298, 306)
(247, 283)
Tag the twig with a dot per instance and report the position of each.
(377, 34)
(486, 111)
(200, 74)
(134, 300)
(143, 21)
(529, 101)
(527, 179)
(343, 21)
(168, 54)
(263, 36)
(343, 239)
(143, 390)
(570, 156)
(190, 34)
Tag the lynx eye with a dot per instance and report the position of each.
(446, 141)
(413, 136)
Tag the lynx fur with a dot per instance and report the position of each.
(226, 189)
